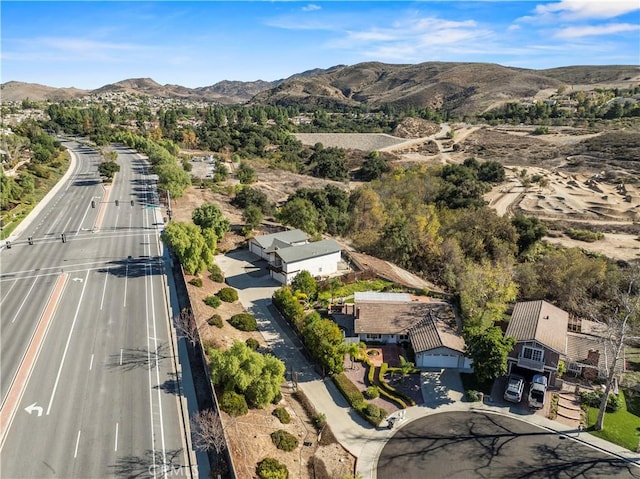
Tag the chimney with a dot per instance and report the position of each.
(593, 357)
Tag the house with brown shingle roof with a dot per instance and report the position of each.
(543, 339)
(540, 330)
(429, 325)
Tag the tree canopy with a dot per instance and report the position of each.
(243, 370)
(210, 216)
(194, 247)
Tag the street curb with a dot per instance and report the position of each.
(26, 222)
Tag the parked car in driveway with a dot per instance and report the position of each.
(515, 387)
(537, 391)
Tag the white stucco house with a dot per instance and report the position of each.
(429, 325)
(290, 252)
(264, 246)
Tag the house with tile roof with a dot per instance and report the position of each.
(429, 325)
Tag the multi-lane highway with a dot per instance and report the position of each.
(88, 382)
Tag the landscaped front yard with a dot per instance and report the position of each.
(622, 426)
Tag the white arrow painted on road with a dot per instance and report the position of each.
(77, 279)
(32, 408)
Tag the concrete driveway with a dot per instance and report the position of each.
(245, 272)
(441, 387)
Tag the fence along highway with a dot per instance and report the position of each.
(89, 386)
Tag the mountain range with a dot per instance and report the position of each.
(464, 88)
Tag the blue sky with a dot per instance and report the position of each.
(90, 44)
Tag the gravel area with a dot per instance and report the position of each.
(355, 141)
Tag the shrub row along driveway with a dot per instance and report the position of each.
(477, 444)
(245, 273)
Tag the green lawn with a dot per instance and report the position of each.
(620, 427)
(349, 289)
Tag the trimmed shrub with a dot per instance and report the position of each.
(372, 392)
(284, 440)
(216, 274)
(397, 396)
(282, 414)
(252, 343)
(473, 395)
(228, 295)
(197, 282)
(270, 468)
(233, 404)
(244, 322)
(212, 301)
(592, 399)
(215, 320)
(349, 390)
(374, 414)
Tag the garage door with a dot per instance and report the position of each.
(438, 361)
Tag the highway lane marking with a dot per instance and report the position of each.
(21, 378)
(115, 447)
(104, 288)
(120, 356)
(15, 281)
(126, 281)
(153, 436)
(91, 363)
(24, 300)
(75, 454)
(86, 212)
(66, 347)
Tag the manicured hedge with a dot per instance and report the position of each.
(370, 412)
(252, 343)
(197, 282)
(391, 390)
(349, 390)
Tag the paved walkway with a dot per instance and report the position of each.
(442, 390)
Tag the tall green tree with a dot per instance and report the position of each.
(325, 342)
(302, 214)
(195, 248)
(210, 216)
(488, 348)
(305, 283)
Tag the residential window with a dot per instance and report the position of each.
(532, 354)
(574, 367)
(374, 336)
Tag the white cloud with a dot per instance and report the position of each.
(594, 30)
(311, 7)
(587, 9)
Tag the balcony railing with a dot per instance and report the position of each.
(530, 364)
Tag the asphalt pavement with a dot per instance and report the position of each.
(104, 396)
(386, 453)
